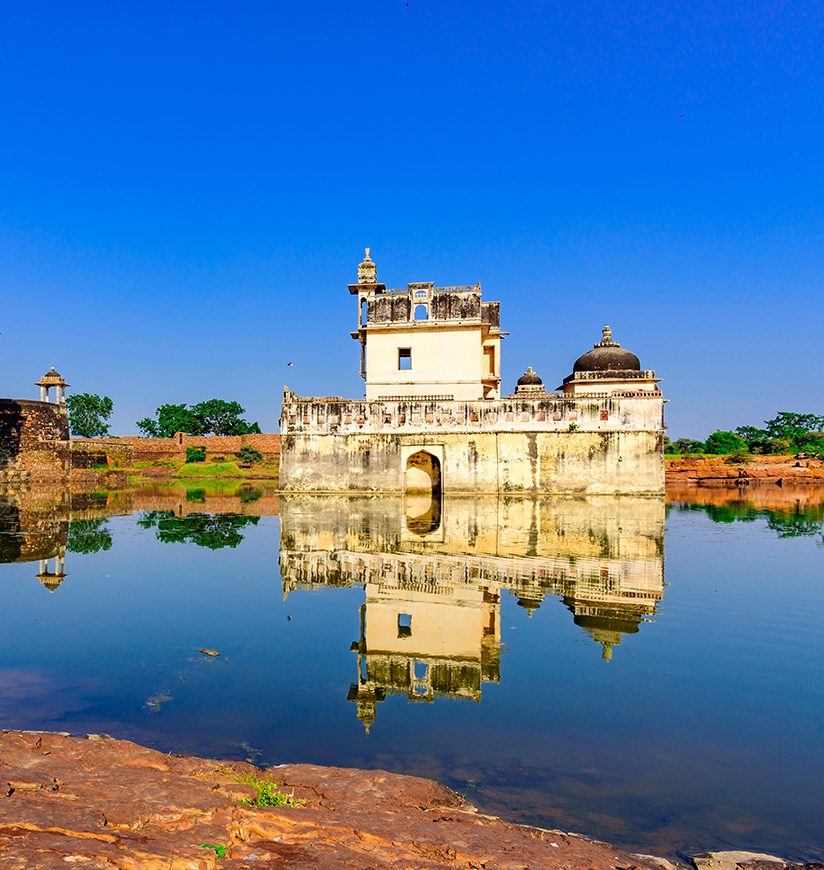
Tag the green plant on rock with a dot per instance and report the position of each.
(218, 849)
(269, 793)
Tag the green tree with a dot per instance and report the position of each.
(196, 454)
(223, 418)
(686, 445)
(794, 427)
(725, 442)
(170, 419)
(88, 414)
(213, 417)
(758, 440)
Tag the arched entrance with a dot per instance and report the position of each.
(423, 473)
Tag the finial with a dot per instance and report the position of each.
(367, 257)
(606, 338)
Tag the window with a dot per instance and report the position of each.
(421, 312)
(404, 625)
(489, 358)
(404, 359)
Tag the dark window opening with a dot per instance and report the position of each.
(404, 359)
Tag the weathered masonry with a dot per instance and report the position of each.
(433, 419)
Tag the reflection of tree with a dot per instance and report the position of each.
(88, 536)
(792, 522)
(206, 530)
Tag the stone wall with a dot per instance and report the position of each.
(151, 449)
(34, 440)
(599, 445)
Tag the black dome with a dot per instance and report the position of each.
(529, 378)
(607, 356)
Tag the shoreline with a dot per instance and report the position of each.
(101, 802)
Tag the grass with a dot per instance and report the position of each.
(210, 469)
(268, 793)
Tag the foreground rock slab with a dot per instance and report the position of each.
(97, 802)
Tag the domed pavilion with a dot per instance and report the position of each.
(609, 368)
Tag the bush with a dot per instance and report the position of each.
(195, 454)
(685, 445)
(249, 454)
(725, 442)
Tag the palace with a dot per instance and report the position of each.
(433, 418)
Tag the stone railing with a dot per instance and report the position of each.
(409, 291)
(638, 411)
(624, 375)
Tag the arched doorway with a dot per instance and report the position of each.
(423, 473)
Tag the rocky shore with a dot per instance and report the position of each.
(97, 802)
(734, 471)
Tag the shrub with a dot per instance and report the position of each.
(249, 454)
(195, 454)
(725, 442)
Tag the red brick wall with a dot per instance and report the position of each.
(216, 445)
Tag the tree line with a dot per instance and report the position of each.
(787, 432)
(89, 416)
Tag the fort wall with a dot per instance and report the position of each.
(34, 440)
(554, 444)
(150, 449)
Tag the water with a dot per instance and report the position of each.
(645, 673)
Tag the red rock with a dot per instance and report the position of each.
(103, 803)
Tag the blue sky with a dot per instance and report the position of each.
(186, 189)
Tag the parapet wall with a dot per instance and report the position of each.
(595, 445)
(640, 411)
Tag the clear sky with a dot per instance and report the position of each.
(187, 188)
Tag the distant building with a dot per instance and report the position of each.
(434, 419)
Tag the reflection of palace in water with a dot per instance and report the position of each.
(434, 571)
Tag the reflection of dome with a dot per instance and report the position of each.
(529, 602)
(529, 378)
(605, 625)
(607, 356)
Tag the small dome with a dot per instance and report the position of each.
(607, 356)
(529, 378)
(52, 378)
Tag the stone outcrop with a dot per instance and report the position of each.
(724, 471)
(97, 802)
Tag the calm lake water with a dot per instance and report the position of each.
(647, 673)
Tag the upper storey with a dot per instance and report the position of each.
(419, 301)
(426, 340)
